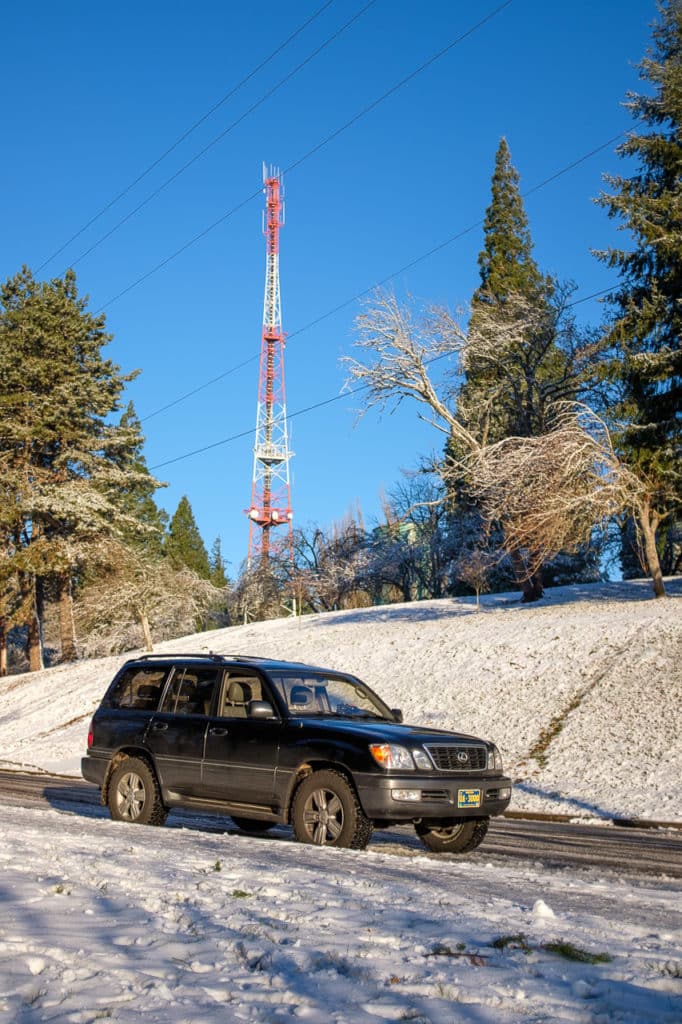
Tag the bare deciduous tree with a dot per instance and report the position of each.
(134, 597)
(473, 568)
(549, 492)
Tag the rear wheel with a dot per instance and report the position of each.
(252, 824)
(134, 794)
(327, 812)
(453, 836)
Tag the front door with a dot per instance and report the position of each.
(241, 753)
(177, 732)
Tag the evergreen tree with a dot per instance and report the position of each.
(646, 370)
(184, 545)
(218, 575)
(506, 263)
(136, 499)
(58, 450)
(524, 352)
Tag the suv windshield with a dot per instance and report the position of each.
(314, 693)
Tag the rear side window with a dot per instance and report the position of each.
(138, 688)
(191, 691)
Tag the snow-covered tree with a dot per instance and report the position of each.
(59, 451)
(646, 369)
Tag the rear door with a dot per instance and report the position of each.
(125, 713)
(241, 753)
(177, 732)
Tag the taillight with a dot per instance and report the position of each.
(91, 733)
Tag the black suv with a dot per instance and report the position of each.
(273, 742)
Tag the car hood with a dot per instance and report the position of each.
(380, 731)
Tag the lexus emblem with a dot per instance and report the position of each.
(462, 756)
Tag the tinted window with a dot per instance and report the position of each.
(191, 691)
(138, 688)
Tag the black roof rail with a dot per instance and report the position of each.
(209, 656)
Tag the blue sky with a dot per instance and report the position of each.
(95, 93)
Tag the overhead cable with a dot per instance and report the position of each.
(181, 138)
(226, 131)
(407, 266)
(315, 149)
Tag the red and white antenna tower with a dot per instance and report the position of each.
(270, 491)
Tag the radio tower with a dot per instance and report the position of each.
(270, 491)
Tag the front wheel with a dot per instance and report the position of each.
(134, 794)
(453, 836)
(327, 812)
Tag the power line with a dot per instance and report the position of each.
(188, 132)
(389, 277)
(316, 405)
(226, 131)
(315, 149)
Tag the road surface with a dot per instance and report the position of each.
(555, 844)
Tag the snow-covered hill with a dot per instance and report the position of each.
(582, 693)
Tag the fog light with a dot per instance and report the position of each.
(504, 794)
(406, 794)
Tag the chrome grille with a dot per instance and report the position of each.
(459, 757)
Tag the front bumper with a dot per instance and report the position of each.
(434, 797)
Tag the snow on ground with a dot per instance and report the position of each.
(603, 662)
(102, 920)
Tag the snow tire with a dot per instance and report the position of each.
(454, 837)
(326, 812)
(134, 795)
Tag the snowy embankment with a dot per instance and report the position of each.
(582, 692)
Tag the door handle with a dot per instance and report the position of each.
(160, 726)
(217, 731)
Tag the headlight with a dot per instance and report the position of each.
(388, 755)
(422, 760)
(495, 759)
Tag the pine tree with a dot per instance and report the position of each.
(136, 499)
(58, 450)
(218, 575)
(184, 545)
(524, 352)
(506, 263)
(646, 370)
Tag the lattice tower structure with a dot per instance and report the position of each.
(271, 489)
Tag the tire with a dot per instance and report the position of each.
(134, 794)
(453, 837)
(252, 824)
(326, 812)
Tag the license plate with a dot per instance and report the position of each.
(469, 798)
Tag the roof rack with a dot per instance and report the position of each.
(210, 655)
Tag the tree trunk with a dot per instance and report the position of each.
(649, 520)
(34, 646)
(146, 631)
(530, 583)
(3, 645)
(67, 628)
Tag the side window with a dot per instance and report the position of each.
(238, 690)
(191, 691)
(138, 688)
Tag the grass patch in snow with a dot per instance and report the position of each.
(570, 952)
(567, 950)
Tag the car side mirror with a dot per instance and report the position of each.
(397, 714)
(260, 709)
